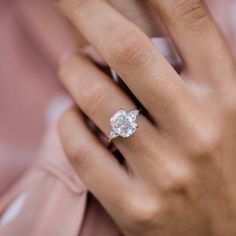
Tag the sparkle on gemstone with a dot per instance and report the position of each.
(123, 123)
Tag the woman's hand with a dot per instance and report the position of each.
(180, 177)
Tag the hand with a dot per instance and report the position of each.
(179, 177)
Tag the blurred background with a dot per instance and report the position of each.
(34, 40)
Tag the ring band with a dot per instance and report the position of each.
(123, 124)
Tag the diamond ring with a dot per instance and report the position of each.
(123, 124)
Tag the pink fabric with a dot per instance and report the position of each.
(55, 199)
(31, 98)
(27, 83)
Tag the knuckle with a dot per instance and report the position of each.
(190, 11)
(75, 148)
(129, 48)
(180, 178)
(77, 152)
(205, 142)
(141, 211)
(93, 97)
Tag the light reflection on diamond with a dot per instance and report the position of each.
(123, 123)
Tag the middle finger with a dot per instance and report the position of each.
(129, 52)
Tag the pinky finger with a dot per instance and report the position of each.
(95, 165)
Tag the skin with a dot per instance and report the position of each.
(179, 177)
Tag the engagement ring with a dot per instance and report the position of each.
(123, 124)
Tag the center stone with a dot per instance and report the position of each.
(123, 123)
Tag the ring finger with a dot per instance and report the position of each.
(100, 98)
